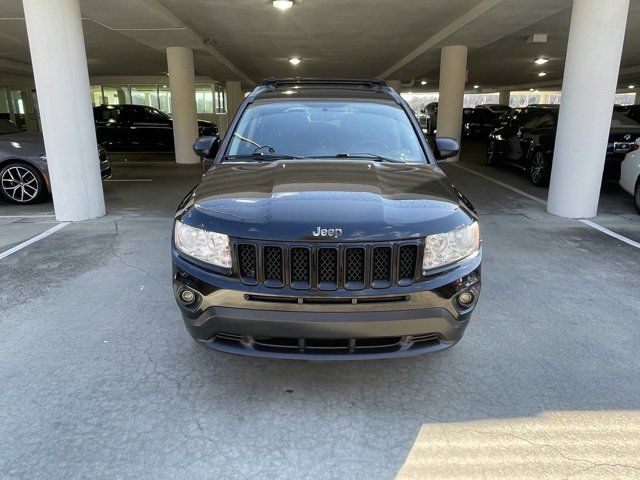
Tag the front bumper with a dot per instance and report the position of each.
(403, 321)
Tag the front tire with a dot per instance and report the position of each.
(636, 195)
(21, 183)
(539, 169)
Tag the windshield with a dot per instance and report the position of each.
(335, 128)
(621, 120)
(8, 127)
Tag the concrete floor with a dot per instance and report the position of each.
(99, 378)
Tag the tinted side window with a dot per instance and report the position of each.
(547, 120)
(135, 114)
(106, 114)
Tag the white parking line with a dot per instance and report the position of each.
(611, 233)
(502, 184)
(589, 223)
(129, 180)
(28, 216)
(44, 234)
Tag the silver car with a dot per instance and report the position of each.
(24, 174)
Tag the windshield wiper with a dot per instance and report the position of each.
(260, 157)
(372, 156)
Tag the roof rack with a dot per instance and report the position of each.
(366, 82)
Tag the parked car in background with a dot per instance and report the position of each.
(633, 112)
(630, 172)
(621, 108)
(479, 122)
(428, 118)
(494, 108)
(24, 175)
(527, 141)
(139, 127)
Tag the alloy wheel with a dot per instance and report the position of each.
(537, 168)
(20, 184)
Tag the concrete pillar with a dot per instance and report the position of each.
(395, 84)
(637, 101)
(453, 73)
(591, 68)
(235, 96)
(59, 65)
(183, 102)
(505, 97)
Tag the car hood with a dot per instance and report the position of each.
(289, 200)
(23, 138)
(22, 145)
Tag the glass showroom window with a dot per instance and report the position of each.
(116, 94)
(204, 99)
(164, 98)
(96, 95)
(220, 99)
(144, 95)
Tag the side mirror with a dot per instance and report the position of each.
(446, 147)
(206, 147)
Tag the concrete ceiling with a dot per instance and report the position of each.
(249, 39)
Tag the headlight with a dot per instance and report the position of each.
(446, 248)
(210, 247)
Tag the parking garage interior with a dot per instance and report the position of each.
(545, 383)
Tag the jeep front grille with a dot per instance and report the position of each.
(327, 267)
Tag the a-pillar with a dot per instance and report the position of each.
(183, 102)
(60, 70)
(453, 74)
(595, 43)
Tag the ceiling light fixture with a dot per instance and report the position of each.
(294, 61)
(476, 86)
(632, 87)
(532, 89)
(423, 82)
(542, 74)
(541, 60)
(282, 4)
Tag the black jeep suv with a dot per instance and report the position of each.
(325, 230)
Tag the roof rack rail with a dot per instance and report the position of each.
(366, 82)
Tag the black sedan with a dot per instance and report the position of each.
(479, 122)
(527, 141)
(139, 127)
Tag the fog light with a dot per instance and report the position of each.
(466, 298)
(187, 296)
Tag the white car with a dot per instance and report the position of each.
(630, 173)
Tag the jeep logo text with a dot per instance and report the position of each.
(327, 232)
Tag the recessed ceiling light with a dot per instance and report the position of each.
(632, 87)
(294, 61)
(423, 82)
(532, 89)
(542, 74)
(289, 92)
(541, 60)
(476, 86)
(282, 4)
